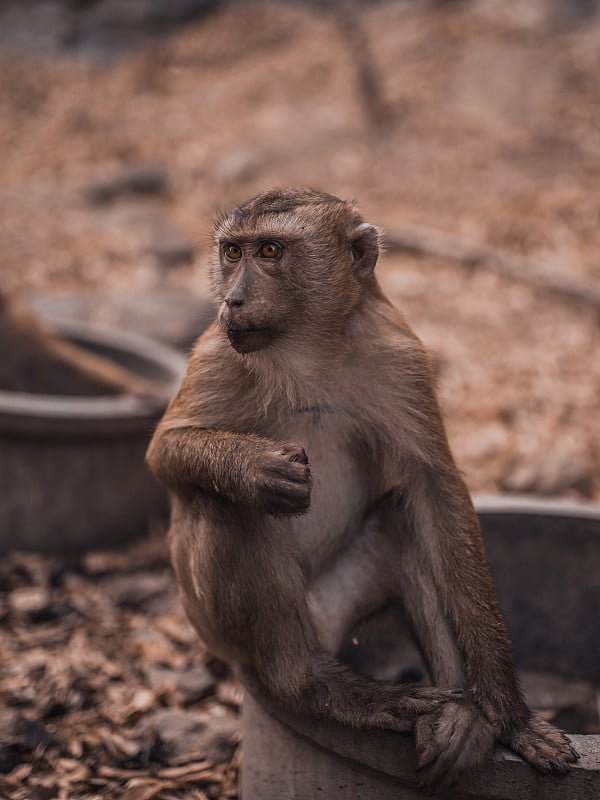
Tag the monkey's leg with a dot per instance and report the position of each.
(442, 579)
(242, 584)
(456, 738)
(351, 589)
(300, 673)
(380, 566)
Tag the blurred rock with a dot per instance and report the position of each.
(170, 248)
(552, 473)
(109, 27)
(29, 734)
(237, 166)
(187, 736)
(572, 13)
(191, 685)
(552, 692)
(8, 724)
(144, 179)
(166, 313)
(569, 704)
(99, 29)
(45, 792)
(135, 589)
(29, 599)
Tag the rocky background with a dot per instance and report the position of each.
(123, 127)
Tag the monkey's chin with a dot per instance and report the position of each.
(250, 340)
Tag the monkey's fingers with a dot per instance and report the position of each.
(543, 746)
(294, 498)
(280, 496)
(300, 457)
(290, 463)
(290, 471)
(434, 693)
(420, 700)
(293, 452)
(400, 716)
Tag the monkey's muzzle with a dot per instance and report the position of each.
(249, 340)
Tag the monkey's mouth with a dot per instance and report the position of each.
(248, 340)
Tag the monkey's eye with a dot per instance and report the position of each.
(270, 250)
(233, 252)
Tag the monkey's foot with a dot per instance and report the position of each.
(543, 746)
(452, 742)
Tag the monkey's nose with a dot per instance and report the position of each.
(234, 301)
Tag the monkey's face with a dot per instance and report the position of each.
(290, 264)
(254, 290)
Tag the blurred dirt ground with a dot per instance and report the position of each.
(488, 127)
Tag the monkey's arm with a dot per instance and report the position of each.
(244, 469)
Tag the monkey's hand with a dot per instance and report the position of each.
(542, 745)
(398, 707)
(453, 741)
(282, 480)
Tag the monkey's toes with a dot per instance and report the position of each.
(544, 747)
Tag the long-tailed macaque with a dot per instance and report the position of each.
(312, 484)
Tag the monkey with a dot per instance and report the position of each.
(37, 360)
(312, 484)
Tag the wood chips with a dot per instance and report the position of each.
(104, 689)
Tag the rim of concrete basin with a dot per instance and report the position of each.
(52, 415)
(506, 777)
(535, 506)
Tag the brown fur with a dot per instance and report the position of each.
(312, 484)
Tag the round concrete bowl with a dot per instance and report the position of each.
(545, 557)
(72, 469)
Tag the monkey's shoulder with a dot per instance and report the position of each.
(384, 344)
(211, 351)
(216, 388)
(394, 376)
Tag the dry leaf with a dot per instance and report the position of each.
(141, 792)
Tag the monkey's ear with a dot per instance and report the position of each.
(364, 242)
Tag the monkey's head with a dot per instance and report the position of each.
(290, 263)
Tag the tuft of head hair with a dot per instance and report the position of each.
(289, 210)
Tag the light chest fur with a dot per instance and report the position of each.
(340, 492)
